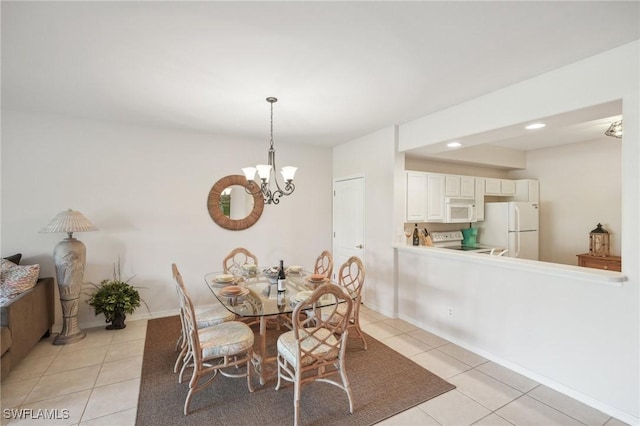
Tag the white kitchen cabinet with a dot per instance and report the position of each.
(503, 187)
(416, 194)
(426, 194)
(460, 186)
(507, 187)
(492, 186)
(479, 199)
(451, 186)
(435, 197)
(527, 190)
(467, 186)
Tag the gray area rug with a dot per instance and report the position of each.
(383, 383)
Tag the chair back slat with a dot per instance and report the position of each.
(351, 277)
(236, 259)
(189, 315)
(316, 335)
(324, 264)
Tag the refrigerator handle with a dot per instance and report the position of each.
(517, 224)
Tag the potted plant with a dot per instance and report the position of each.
(115, 298)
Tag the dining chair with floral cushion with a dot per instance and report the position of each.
(207, 316)
(233, 264)
(225, 348)
(351, 279)
(324, 264)
(236, 259)
(315, 349)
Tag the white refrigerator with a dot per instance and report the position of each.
(511, 225)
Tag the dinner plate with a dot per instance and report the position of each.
(234, 291)
(295, 269)
(224, 283)
(224, 278)
(315, 283)
(301, 295)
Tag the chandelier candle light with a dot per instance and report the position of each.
(264, 174)
(69, 258)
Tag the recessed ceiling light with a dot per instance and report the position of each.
(534, 126)
(454, 144)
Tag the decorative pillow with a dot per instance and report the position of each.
(14, 258)
(15, 279)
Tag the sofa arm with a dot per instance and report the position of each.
(30, 318)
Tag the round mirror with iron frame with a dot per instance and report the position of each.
(217, 214)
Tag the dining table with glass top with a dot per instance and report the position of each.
(254, 295)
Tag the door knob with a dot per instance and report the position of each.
(359, 246)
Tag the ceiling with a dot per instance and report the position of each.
(340, 69)
(585, 124)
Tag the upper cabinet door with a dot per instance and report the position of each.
(526, 190)
(504, 187)
(416, 197)
(459, 186)
(467, 186)
(507, 187)
(492, 186)
(452, 186)
(435, 197)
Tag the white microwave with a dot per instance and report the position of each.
(460, 210)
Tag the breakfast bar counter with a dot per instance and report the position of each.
(606, 277)
(552, 323)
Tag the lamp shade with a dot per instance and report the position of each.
(69, 221)
(288, 172)
(249, 172)
(264, 171)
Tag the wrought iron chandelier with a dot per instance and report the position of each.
(264, 174)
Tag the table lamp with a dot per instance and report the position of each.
(69, 258)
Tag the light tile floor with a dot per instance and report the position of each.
(97, 381)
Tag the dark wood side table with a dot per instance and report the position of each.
(610, 263)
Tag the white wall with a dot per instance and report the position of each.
(374, 157)
(146, 189)
(580, 186)
(583, 337)
(572, 335)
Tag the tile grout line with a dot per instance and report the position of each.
(560, 411)
(491, 411)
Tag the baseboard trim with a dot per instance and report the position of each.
(585, 399)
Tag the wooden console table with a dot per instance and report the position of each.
(610, 263)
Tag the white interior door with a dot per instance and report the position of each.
(348, 221)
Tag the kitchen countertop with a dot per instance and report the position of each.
(574, 272)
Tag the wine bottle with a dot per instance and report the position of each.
(281, 300)
(416, 236)
(281, 277)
